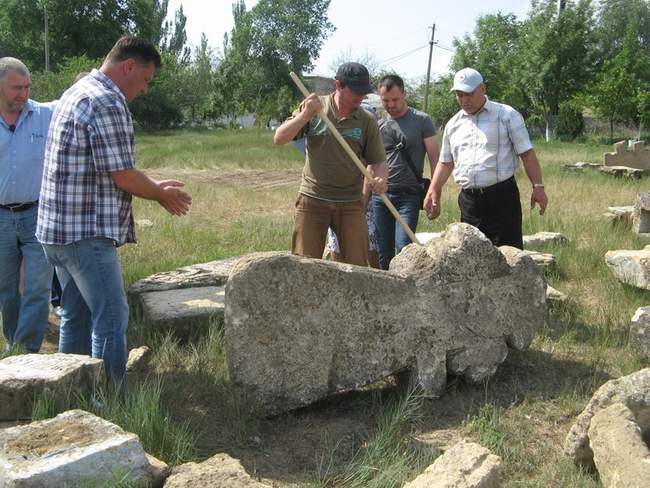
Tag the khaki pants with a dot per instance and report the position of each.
(312, 217)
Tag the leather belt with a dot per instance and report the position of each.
(19, 207)
(491, 188)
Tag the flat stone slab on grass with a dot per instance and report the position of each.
(632, 390)
(544, 238)
(24, 377)
(213, 273)
(620, 214)
(640, 332)
(623, 172)
(178, 309)
(630, 267)
(74, 448)
(542, 259)
(621, 456)
(300, 329)
(641, 214)
(220, 471)
(465, 465)
(555, 296)
(580, 166)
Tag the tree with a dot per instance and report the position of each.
(265, 44)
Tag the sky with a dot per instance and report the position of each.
(396, 36)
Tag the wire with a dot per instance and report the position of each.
(401, 56)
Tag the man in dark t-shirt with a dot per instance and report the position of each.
(407, 135)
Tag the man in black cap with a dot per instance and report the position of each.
(331, 191)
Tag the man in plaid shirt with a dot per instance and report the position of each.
(85, 207)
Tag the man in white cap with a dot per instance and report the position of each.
(481, 147)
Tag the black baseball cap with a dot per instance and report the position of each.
(355, 76)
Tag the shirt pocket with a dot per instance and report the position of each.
(34, 147)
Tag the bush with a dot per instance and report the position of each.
(48, 85)
(570, 122)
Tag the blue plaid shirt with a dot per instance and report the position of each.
(91, 136)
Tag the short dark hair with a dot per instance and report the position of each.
(389, 81)
(138, 48)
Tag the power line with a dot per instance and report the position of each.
(402, 56)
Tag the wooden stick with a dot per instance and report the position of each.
(337, 135)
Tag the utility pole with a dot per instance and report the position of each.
(47, 42)
(426, 86)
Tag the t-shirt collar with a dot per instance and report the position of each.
(332, 105)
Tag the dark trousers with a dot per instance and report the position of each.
(495, 211)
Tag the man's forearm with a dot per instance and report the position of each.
(137, 183)
(289, 129)
(532, 167)
(440, 177)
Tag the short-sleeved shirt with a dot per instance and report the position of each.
(21, 153)
(329, 172)
(90, 137)
(411, 129)
(485, 146)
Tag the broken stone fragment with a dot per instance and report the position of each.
(299, 329)
(630, 267)
(74, 448)
(220, 471)
(640, 332)
(23, 378)
(641, 214)
(543, 239)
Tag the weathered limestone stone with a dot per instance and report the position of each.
(220, 471)
(177, 309)
(544, 260)
(640, 332)
(631, 267)
(466, 465)
(638, 157)
(299, 329)
(544, 238)
(641, 214)
(24, 377)
(213, 273)
(620, 455)
(579, 167)
(620, 214)
(425, 237)
(74, 448)
(138, 358)
(143, 223)
(632, 390)
(555, 296)
(623, 172)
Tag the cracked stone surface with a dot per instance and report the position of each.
(630, 267)
(299, 329)
(544, 238)
(640, 332)
(220, 471)
(74, 448)
(632, 390)
(620, 214)
(24, 377)
(465, 465)
(641, 214)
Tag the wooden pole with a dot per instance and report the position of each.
(337, 135)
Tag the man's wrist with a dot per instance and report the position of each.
(538, 185)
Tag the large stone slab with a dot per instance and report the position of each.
(637, 157)
(623, 172)
(24, 377)
(178, 310)
(630, 267)
(544, 238)
(542, 259)
(220, 471)
(466, 465)
(633, 391)
(74, 448)
(641, 214)
(640, 332)
(621, 456)
(213, 273)
(299, 329)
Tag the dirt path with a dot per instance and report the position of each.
(251, 178)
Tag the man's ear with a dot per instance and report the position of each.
(128, 65)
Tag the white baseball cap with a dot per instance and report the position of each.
(467, 80)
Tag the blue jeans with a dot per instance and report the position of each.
(24, 319)
(95, 312)
(390, 235)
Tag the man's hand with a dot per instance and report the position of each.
(172, 199)
(311, 106)
(378, 185)
(431, 207)
(539, 196)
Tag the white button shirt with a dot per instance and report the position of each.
(484, 147)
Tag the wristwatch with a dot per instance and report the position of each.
(538, 185)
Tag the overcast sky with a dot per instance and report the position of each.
(397, 36)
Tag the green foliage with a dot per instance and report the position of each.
(50, 85)
(266, 43)
(570, 122)
(442, 103)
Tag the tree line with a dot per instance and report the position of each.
(553, 65)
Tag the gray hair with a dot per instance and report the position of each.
(9, 64)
